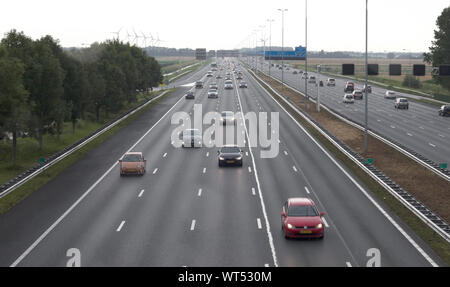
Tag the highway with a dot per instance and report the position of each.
(419, 128)
(186, 211)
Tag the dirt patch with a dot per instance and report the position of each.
(423, 184)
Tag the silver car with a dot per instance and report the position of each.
(213, 94)
(401, 103)
(390, 95)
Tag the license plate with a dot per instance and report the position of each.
(305, 231)
(230, 161)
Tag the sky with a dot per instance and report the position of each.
(333, 25)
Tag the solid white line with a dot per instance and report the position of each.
(120, 226)
(200, 192)
(258, 221)
(141, 193)
(263, 206)
(325, 222)
(46, 232)
(156, 170)
(307, 191)
(193, 224)
(348, 264)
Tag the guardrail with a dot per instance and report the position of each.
(417, 157)
(419, 209)
(14, 183)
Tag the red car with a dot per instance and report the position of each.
(301, 219)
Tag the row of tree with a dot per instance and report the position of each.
(42, 85)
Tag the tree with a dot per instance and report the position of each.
(13, 98)
(440, 49)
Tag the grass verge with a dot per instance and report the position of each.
(34, 184)
(429, 236)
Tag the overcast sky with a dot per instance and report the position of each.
(334, 25)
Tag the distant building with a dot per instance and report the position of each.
(200, 54)
(211, 53)
(227, 53)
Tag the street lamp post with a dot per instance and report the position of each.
(282, 46)
(263, 39)
(366, 120)
(270, 42)
(306, 49)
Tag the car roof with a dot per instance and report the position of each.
(300, 201)
(133, 152)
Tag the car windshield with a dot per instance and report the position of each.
(302, 211)
(391, 93)
(212, 90)
(132, 158)
(229, 149)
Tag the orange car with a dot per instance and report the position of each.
(132, 163)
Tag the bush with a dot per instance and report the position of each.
(412, 82)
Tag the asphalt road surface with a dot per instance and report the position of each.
(419, 128)
(186, 211)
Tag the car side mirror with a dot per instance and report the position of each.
(120, 160)
(218, 152)
(283, 214)
(322, 214)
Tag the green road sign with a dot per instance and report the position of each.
(443, 165)
(369, 161)
(42, 160)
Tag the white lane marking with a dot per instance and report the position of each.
(307, 190)
(325, 222)
(285, 153)
(120, 226)
(393, 127)
(258, 184)
(164, 155)
(294, 168)
(442, 136)
(266, 265)
(422, 128)
(249, 169)
(409, 134)
(155, 171)
(46, 232)
(433, 145)
(199, 192)
(253, 191)
(258, 221)
(141, 193)
(379, 121)
(207, 154)
(246, 153)
(348, 264)
(193, 224)
(204, 170)
(382, 211)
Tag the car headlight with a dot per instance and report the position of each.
(139, 166)
(319, 225)
(239, 158)
(290, 226)
(221, 158)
